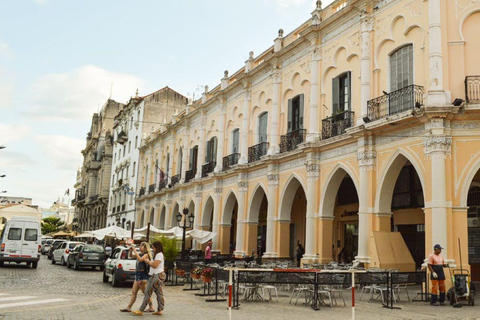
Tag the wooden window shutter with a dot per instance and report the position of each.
(301, 110)
(190, 161)
(335, 95)
(290, 115)
(214, 147)
(236, 136)
(349, 88)
(207, 154)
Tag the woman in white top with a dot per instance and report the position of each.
(155, 282)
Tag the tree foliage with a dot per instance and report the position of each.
(170, 250)
(51, 224)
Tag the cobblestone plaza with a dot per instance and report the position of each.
(55, 292)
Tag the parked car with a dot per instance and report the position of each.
(56, 243)
(120, 266)
(20, 241)
(61, 254)
(46, 246)
(87, 255)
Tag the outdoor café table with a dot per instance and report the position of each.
(254, 291)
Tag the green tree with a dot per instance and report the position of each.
(170, 250)
(51, 224)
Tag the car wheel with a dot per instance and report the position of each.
(63, 261)
(53, 260)
(93, 267)
(1, 263)
(75, 265)
(115, 281)
(34, 265)
(105, 277)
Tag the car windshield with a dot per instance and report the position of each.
(93, 249)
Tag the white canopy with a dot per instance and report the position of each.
(86, 234)
(201, 236)
(112, 231)
(152, 229)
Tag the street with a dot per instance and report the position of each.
(55, 292)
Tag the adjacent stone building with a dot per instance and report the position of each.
(93, 179)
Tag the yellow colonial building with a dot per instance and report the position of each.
(357, 135)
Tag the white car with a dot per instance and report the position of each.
(20, 241)
(120, 266)
(61, 254)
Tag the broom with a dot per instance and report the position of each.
(458, 304)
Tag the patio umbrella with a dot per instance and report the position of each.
(86, 234)
(112, 232)
(63, 234)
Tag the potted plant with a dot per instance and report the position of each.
(180, 272)
(196, 273)
(207, 275)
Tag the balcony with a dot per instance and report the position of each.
(141, 192)
(151, 188)
(472, 89)
(207, 168)
(175, 179)
(162, 184)
(398, 101)
(230, 160)
(257, 151)
(190, 174)
(80, 197)
(337, 124)
(291, 140)
(93, 198)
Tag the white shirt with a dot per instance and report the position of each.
(160, 268)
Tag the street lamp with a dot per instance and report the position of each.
(2, 176)
(2, 147)
(183, 215)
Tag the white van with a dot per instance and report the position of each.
(20, 241)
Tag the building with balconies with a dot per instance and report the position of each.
(138, 118)
(93, 179)
(355, 135)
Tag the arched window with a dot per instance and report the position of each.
(262, 127)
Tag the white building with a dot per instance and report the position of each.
(140, 117)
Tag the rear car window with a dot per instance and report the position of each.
(15, 234)
(72, 245)
(31, 234)
(93, 249)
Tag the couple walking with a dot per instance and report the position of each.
(149, 278)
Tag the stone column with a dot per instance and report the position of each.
(202, 146)
(168, 215)
(217, 206)
(365, 67)
(436, 147)
(313, 120)
(240, 248)
(221, 137)
(271, 215)
(366, 161)
(436, 94)
(247, 97)
(313, 173)
(274, 117)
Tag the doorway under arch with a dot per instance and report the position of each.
(229, 225)
(257, 223)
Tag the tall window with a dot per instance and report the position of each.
(401, 68)
(341, 93)
(129, 145)
(146, 176)
(193, 158)
(133, 169)
(156, 171)
(124, 149)
(131, 122)
(295, 113)
(235, 141)
(136, 142)
(262, 127)
(211, 154)
(180, 160)
(168, 164)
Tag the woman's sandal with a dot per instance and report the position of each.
(150, 310)
(125, 310)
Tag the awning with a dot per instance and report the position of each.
(112, 232)
(63, 234)
(86, 234)
(201, 236)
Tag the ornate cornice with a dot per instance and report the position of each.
(272, 180)
(242, 186)
(366, 158)
(437, 145)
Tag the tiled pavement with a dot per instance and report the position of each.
(54, 292)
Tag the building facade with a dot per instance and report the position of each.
(356, 135)
(140, 117)
(93, 179)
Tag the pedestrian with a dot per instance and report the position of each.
(300, 253)
(437, 276)
(155, 282)
(108, 250)
(141, 275)
(208, 252)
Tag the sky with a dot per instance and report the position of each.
(61, 60)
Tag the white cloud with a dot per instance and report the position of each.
(79, 93)
(62, 151)
(12, 132)
(289, 3)
(15, 160)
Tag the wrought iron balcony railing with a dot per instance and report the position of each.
(472, 89)
(336, 124)
(151, 188)
(291, 140)
(141, 192)
(190, 174)
(175, 179)
(162, 184)
(207, 168)
(257, 151)
(230, 160)
(395, 102)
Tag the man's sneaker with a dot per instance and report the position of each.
(442, 303)
(434, 304)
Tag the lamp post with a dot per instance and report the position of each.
(184, 226)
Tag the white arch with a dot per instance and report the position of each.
(463, 19)
(162, 219)
(288, 194)
(207, 212)
(228, 207)
(467, 183)
(173, 217)
(329, 195)
(255, 203)
(389, 176)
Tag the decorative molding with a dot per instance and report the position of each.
(217, 191)
(347, 149)
(242, 186)
(272, 180)
(398, 135)
(466, 125)
(437, 145)
(366, 158)
(367, 24)
(257, 173)
(230, 180)
(168, 202)
(313, 171)
(292, 164)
